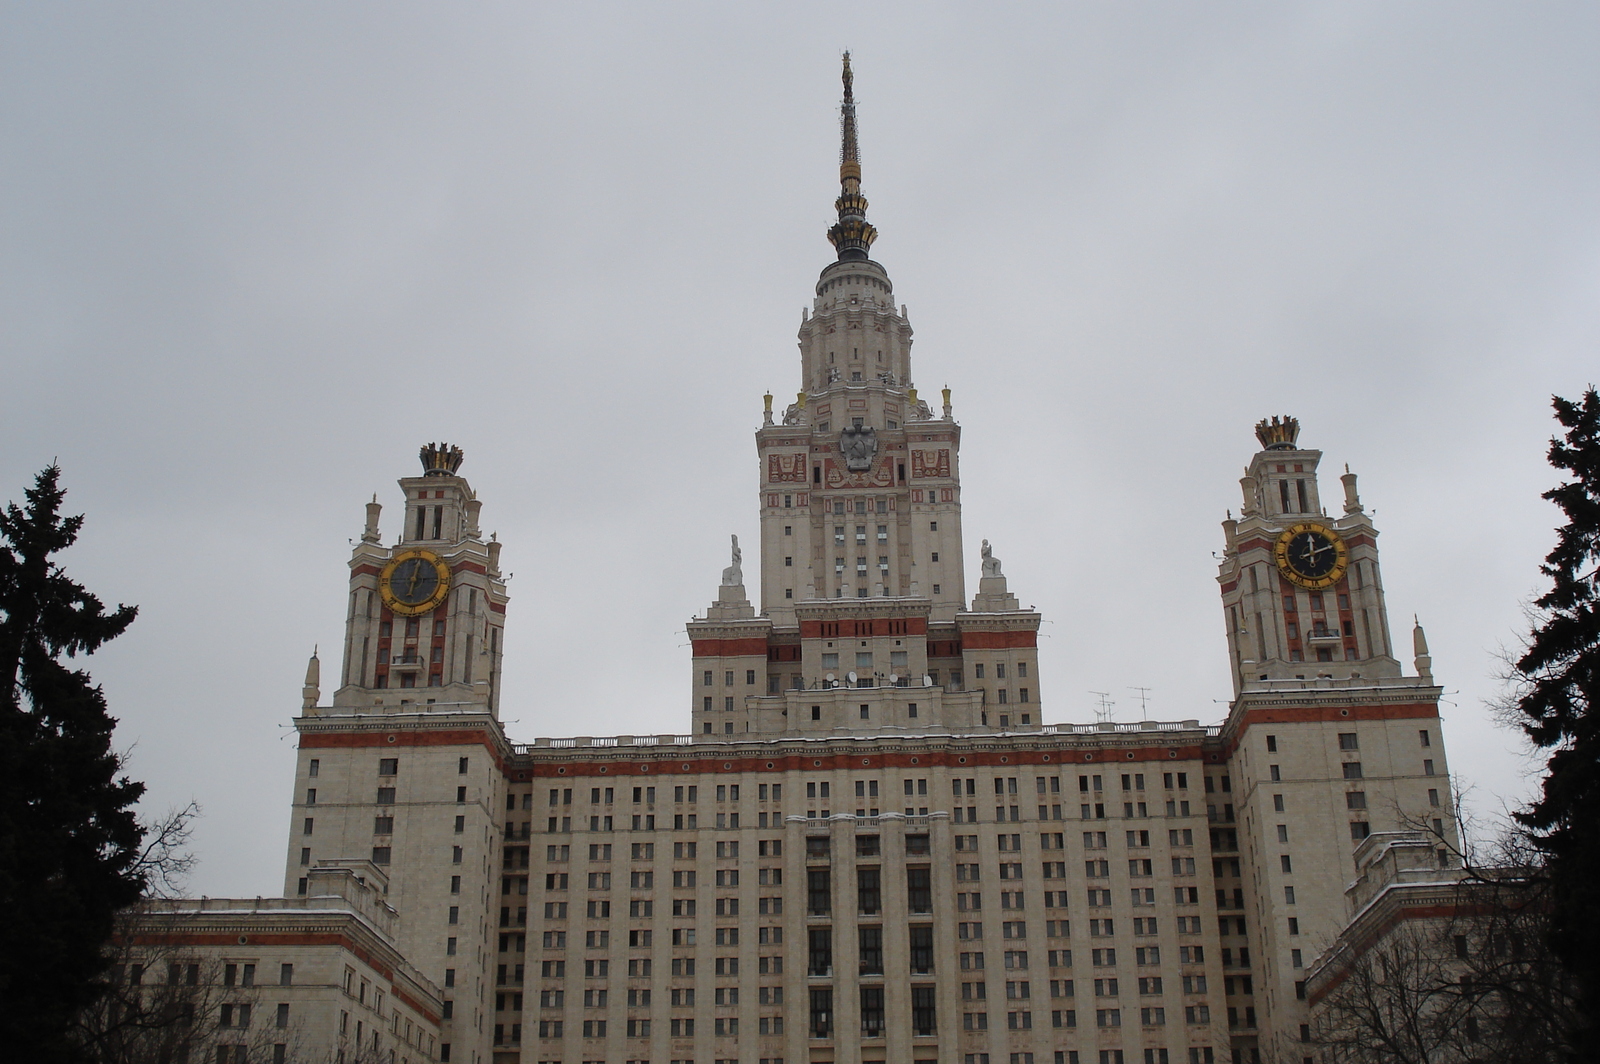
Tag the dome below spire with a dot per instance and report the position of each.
(852, 235)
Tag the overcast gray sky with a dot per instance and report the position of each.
(252, 256)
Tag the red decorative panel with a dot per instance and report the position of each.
(877, 626)
(930, 463)
(998, 640)
(881, 476)
(786, 468)
(1324, 714)
(456, 737)
(730, 648)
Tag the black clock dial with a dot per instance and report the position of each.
(1312, 554)
(414, 581)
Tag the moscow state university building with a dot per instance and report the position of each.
(868, 845)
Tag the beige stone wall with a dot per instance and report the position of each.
(767, 851)
(442, 830)
(1312, 829)
(320, 976)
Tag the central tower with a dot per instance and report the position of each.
(861, 570)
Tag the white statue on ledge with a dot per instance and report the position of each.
(733, 575)
(991, 564)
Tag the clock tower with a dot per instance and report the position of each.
(400, 776)
(425, 614)
(1301, 590)
(1327, 741)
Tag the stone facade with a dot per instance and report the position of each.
(317, 977)
(869, 846)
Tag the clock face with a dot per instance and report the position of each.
(414, 582)
(1312, 556)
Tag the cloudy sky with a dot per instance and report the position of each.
(252, 256)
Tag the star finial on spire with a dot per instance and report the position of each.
(852, 235)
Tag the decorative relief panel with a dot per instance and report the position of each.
(880, 477)
(786, 468)
(930, 464)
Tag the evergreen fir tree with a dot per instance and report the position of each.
(69, 839)
(1560, 704)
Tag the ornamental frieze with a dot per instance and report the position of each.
(930, 464)
(882, 476)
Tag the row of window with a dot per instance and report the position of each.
(1197, 1054)
(413, 628)
(388, 766)
(689, 794)
(234, 973)
(680, 822)
(1351, 770)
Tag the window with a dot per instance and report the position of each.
(921, 940)
(1347, 741)
(389, 766)
(919, 889)
(821, 1012)
(1352, 770)
(1427, 768)
(922, 1011)
(1272, 744)
(1355, 800)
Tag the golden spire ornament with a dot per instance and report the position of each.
(852, 235)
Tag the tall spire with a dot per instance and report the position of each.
(852, 234)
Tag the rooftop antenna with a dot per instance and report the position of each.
(1144, 698)
(1103, 713)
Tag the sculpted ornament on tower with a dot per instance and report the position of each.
(859, 446)
(733, 575)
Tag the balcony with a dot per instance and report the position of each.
(1323, 634)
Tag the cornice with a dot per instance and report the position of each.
(1027, 619)
(1061, 747)
(441, 720)
(1308, 697)
(862, 609)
